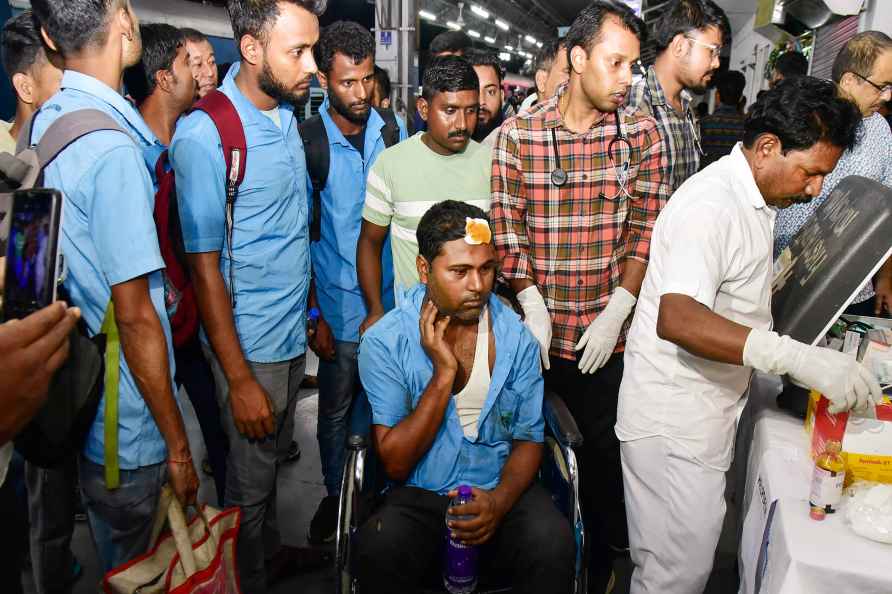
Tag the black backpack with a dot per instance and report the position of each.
(315, 139)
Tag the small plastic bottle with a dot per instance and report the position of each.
(312, 320)
(827, 481)
(460, 563)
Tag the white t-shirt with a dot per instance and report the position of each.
(712, 242)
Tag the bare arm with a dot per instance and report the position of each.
(695, 328)
(368, 269)
(518, 474)
(633, 275)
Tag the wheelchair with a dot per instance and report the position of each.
(362, 481)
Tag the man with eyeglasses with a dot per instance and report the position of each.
(863, 72)
(689, 38)
(577, 184)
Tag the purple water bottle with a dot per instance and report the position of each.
(460, 567)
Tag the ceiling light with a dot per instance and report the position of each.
(481, 12)
(474, 34)
(505, 57)
(429, 16)
(453, 25)
(488, 39)
(510, 48)
(501, 24)
(538, 44)
(530, 39)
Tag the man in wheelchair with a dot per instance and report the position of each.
(454, 382)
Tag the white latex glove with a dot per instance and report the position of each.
(537, 319)
(599, 339)
(844, 381)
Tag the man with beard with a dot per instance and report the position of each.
(354, 135)
(489, 72)
(111, 251)
(689, 39)
(252, 285)
(456, 392)
(703, 324)
(440, 164)
(202, 61)
(576, 187)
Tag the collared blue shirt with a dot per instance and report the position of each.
(108, 237)
(395, 371)
(334, 255)
(270, 241)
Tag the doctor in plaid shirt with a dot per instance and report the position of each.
(576, 188)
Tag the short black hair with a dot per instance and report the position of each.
(21, 43)
(802, 111)
(444, 222)
(450, 41)
(160, 43)
(194, 35)
(730, 85)
(255, 17)
(586, 28)
(545, 57)
(343, 37)
(860, 53)
(791, 64)
(481, 57)
(382, 79)
(449, 74)
(75, 24)
(684, 16)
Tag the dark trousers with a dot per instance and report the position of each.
(400, 548)
(14, 518)
(194, 373)
(52, 502)
(592, 400)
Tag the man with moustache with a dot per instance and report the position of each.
(489, 72)
(439, 164)
(456, 393)
(202, 61)
(254, 327)
(577, 184)
(703, 324)
(111, 252)
(689, 37)
(354, 136)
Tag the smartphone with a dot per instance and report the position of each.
(33, 263)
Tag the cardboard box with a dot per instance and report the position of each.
(866, 441)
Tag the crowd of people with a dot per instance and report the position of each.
(601, 243)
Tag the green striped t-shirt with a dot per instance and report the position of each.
(409, 178)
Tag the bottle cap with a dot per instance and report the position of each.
(313, 313)
(464, 491)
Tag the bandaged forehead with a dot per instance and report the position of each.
(477, 231)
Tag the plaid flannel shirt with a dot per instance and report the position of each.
(681, 133)
(572, 241)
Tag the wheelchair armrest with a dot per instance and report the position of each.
(560, 421)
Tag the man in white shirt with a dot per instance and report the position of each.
(703, 324)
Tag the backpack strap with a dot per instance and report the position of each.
(390, 133)
(111, 386)
(235, 151)
(318, 155)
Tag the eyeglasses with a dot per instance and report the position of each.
(715, 50)
(879, 89)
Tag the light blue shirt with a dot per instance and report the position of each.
(395, 371)
(271, 236)
(334, 255)
(108, 237)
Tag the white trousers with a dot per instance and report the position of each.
(675, 508)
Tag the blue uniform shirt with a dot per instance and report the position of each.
(334, 255)
(108, 237)
(395, 371)
(271, 236)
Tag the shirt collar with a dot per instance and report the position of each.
(414, 298)
(85, 83)
(372, 127)
(658, 96)
(247, 110)
(744, 174)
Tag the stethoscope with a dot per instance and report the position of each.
(559, 176)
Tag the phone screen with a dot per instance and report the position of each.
(32, 252)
